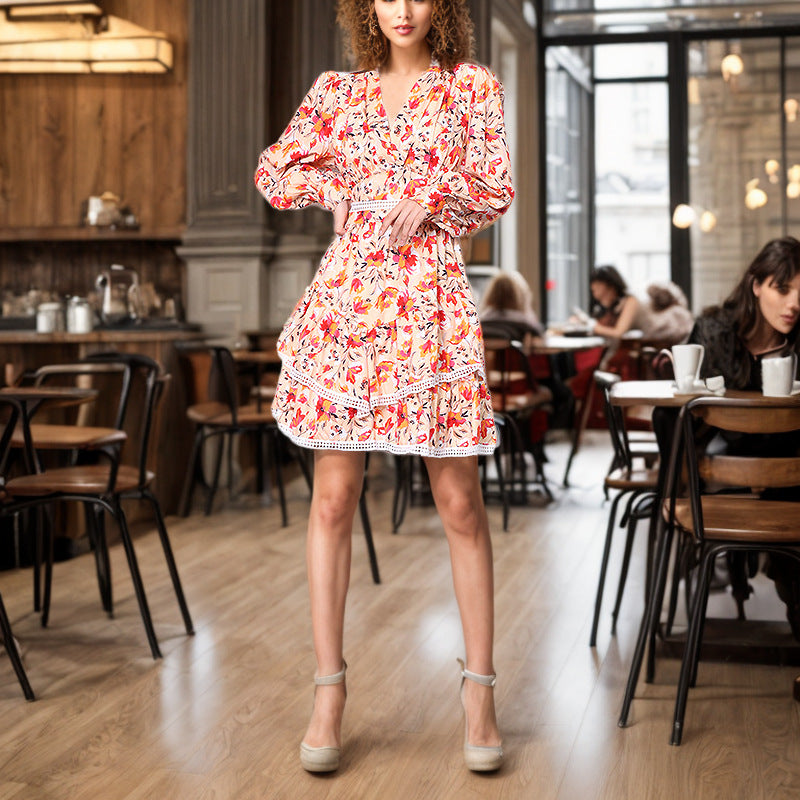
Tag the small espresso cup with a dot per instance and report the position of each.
(686, 362)
(777, 375)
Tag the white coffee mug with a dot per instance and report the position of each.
(686, 362)
(777, 375)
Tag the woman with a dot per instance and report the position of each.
(665, 318)
(759, 318)
(384, 350)
(508, 300)
(614, 310)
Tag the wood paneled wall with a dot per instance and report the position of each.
(65, 137)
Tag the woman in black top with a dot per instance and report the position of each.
(761, 317)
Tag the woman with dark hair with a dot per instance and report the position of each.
(759, 317)
(614, 309)
(384, 350)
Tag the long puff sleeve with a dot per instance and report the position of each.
(300, 168)
(475, 186)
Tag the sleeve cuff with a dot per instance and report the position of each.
(334, 193)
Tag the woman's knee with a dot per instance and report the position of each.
(461, 509)
(335, 505)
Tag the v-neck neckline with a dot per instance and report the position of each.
(392, 122)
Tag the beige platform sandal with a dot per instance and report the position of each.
(322, 759)
(479, 758)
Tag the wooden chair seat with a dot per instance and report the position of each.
(496, 378)
(523, 400)
(216, 414)
(632, 479)
(263, 392)
(68, 437)
(91, 479)
(743, 518)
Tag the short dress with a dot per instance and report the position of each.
(384, 350)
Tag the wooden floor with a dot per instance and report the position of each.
(221, 716)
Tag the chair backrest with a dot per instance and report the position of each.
(146, 383)
(10, 412)
(509, 363)
(750, 471)
(615, 419)
(112, 377)
(152, 404)
(209, 374)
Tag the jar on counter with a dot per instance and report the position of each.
(49, 317)
(80, 317)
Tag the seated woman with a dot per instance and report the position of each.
(613, 313)
(665, 318)
(760, 318)
(507, 308)
(508, 299)
(614, 309)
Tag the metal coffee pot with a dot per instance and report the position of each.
(120, 295)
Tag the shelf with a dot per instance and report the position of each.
(79, 233)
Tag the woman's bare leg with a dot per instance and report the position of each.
(338, 476)
(457, 493)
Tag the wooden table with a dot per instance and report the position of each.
(663, 394)
(553, 344)
(30, 398)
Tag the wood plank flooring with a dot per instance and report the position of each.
(221, 716)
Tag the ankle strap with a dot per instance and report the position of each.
(330, 680)
(484, 680)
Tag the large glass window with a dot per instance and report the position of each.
(568, 96)
(632, 214)
(744, 155)
(587, 17)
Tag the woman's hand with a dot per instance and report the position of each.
(402, 222)
(340, 214)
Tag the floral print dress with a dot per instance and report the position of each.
(384, 349)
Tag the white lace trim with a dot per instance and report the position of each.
(373, 205)
(397, 449)
(384, 400)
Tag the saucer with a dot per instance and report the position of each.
(699, 389)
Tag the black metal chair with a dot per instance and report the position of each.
(216, 412)
(103, 485)
(12, 414)
(718, 522)
(517, 398)
(637, 485)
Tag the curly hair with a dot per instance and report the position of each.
(450, 36)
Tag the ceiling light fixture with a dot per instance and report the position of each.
(754, 197)
(731, 66)
(46, 36)
(683, 216)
